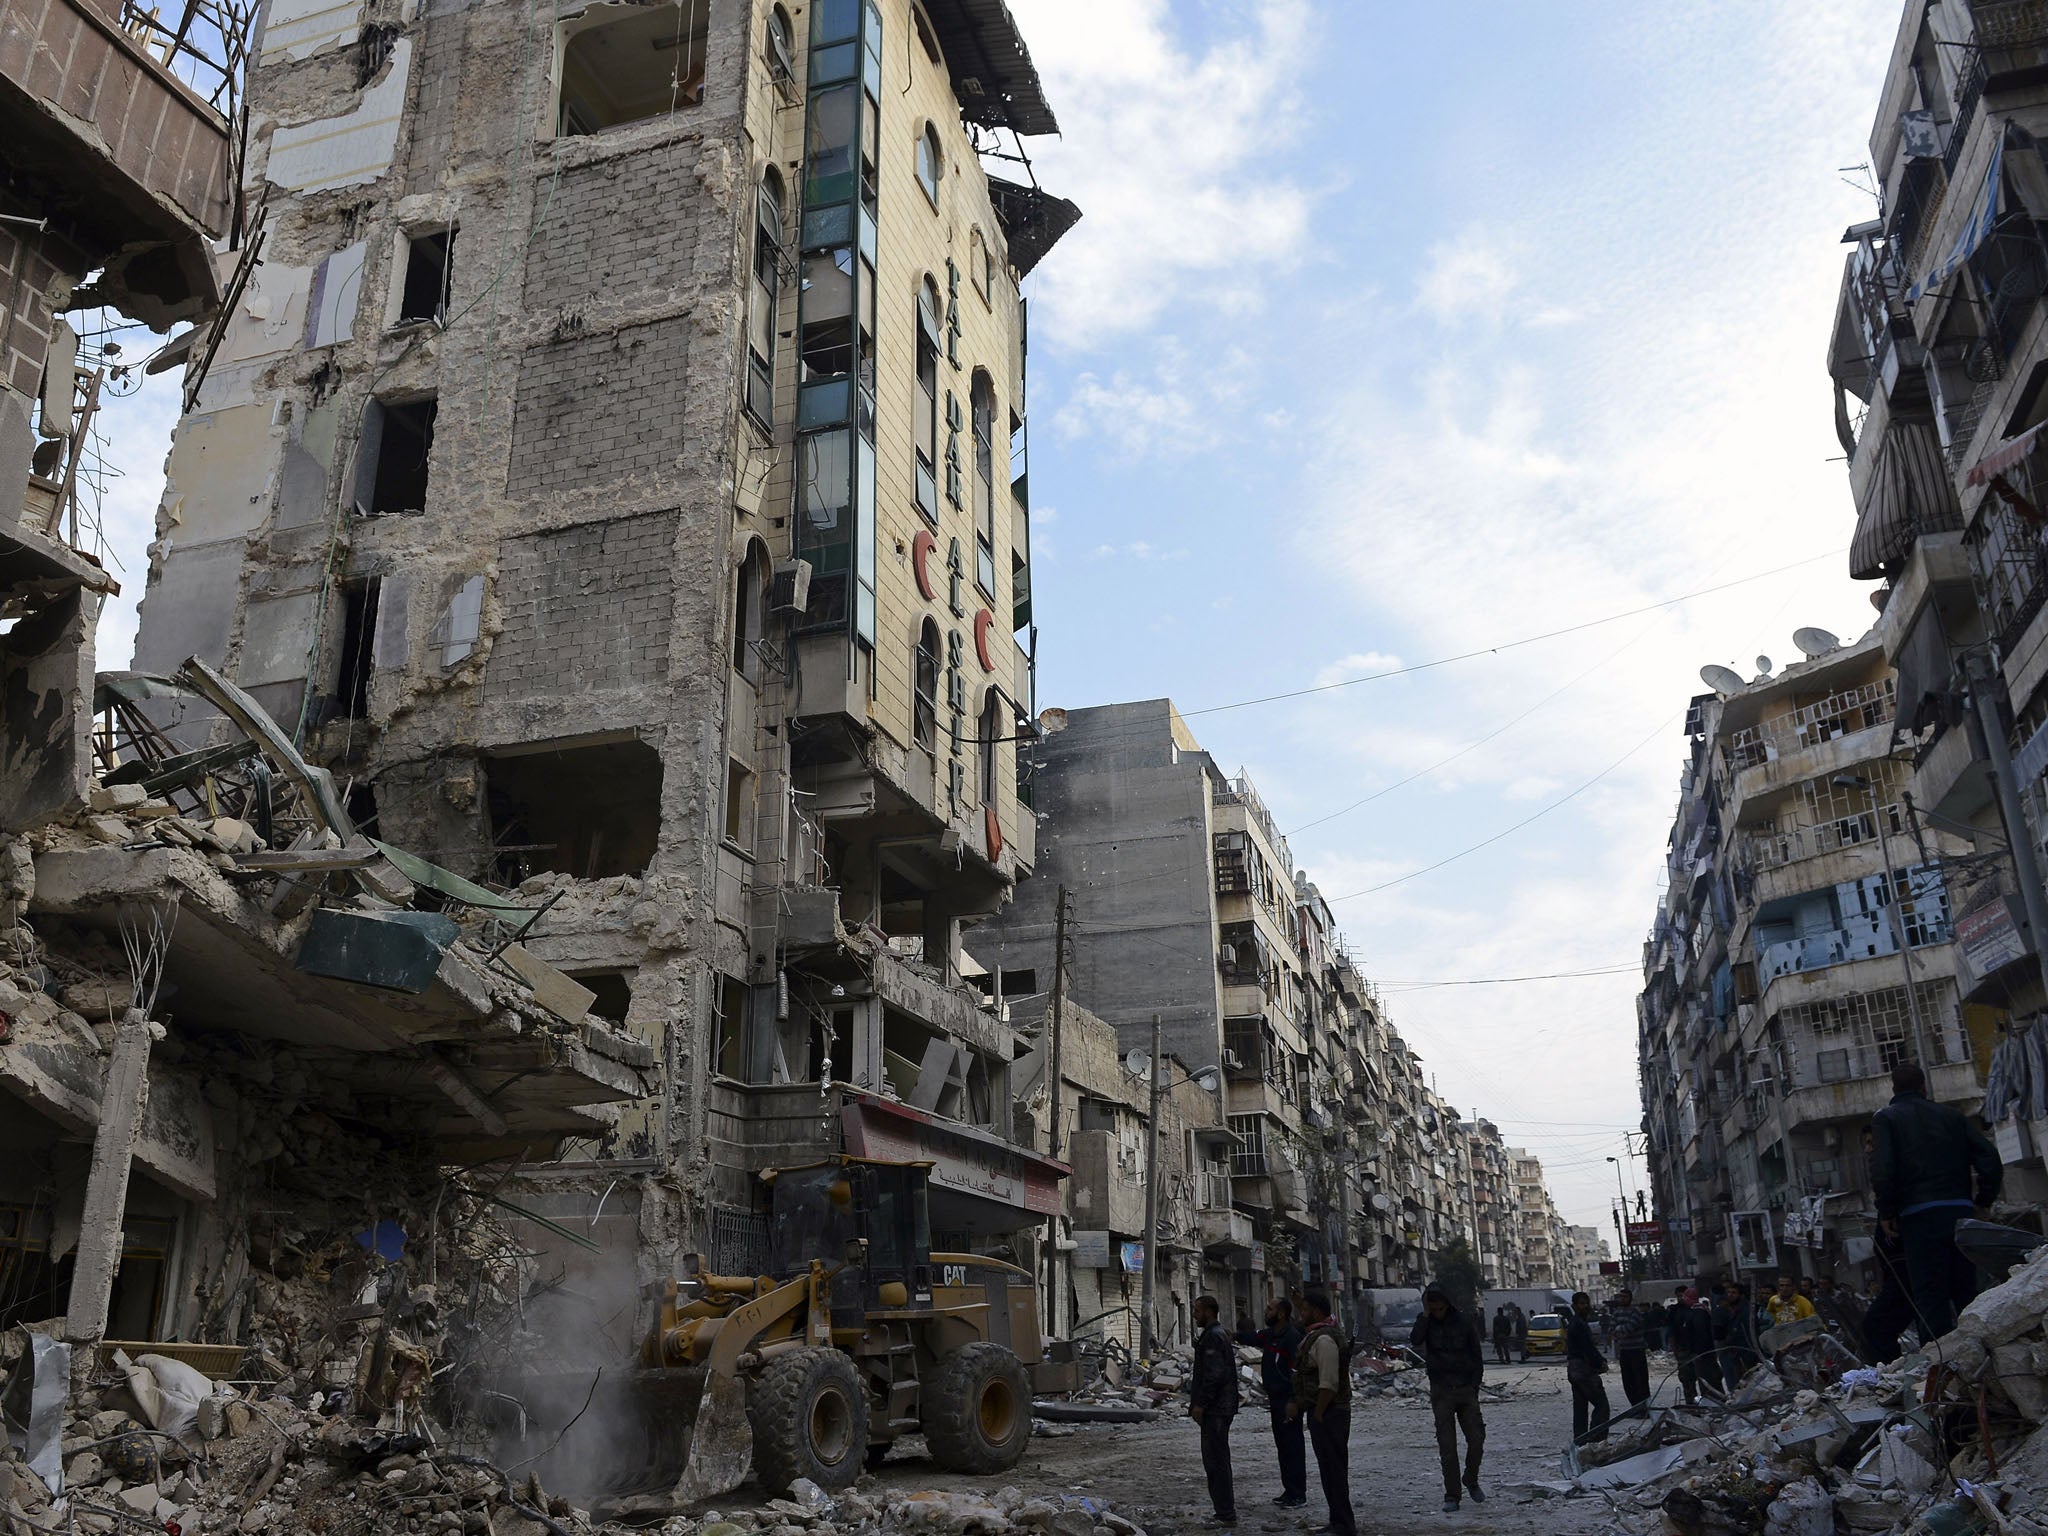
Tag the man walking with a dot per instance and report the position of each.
(1503, 1334)
(1926, 1154)
(1626, 1331)
(1212, 1403)
(1322, 1390)
(1584, 1365)
(1448, 1342)
(1278, 1341)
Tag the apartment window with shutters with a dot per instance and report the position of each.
(761, 303)
(928, 332)
(930, 163)
(984, 483)
(925, 688)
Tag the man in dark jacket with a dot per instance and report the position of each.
(1448, 1342)
(1521, 1320)
(1627, 1330)
(1692, 1344)
(1925, 1156)
(1212, 1403)
(1503, 1334)
(1277, 1342)
(1584, 1365)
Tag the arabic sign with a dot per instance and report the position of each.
(1645, 1234)
(1091, 1250)
(961, 1163)
(1989, 936)
(1133, 1258)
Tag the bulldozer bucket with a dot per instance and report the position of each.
(595, 1436)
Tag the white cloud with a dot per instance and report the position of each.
(1170, 151)
(1469, 277)
(1357, 664)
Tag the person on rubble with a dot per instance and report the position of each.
(1322, 1391)
(1787, 1304)
(1925, 1157)
(1503, 1334)
(1692, 1344)
(1448, 1342)
(1627, 1332)
(1584, 1365)
(1212, 1403)
(1277, 1343)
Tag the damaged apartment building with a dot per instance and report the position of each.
(233, 1034)
(612, 473)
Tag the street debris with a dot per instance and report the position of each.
(1950, 1440)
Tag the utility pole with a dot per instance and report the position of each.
(1621, 1219)
(1151, 1200)
(1059, 997)
(2025, 867)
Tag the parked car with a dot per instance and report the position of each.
(1546, 1334)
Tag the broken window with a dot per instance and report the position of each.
(1020, 983)
(927, 428)
(761, 304)
(612, 992)
(624, 63)
(729, 1057)
(358, 627)
(781, 48)
(930, 162)
(429, 276)
(739, 803)
(588, 810)
(749, 607)
(925, 688)
(392, 458)
(984, 403)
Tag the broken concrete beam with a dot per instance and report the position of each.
(567, 999)
(122, 1101)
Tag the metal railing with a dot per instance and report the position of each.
(1840, 714)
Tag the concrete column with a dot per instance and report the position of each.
(122, 1101)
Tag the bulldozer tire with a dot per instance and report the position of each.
(809, 1413)
(977, 1415)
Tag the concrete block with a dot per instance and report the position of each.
(117, 797)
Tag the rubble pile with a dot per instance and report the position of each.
(1951, 1440)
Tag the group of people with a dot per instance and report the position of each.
(1306, 1371)
(1510, 1332)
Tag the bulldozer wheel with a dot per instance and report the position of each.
(809, 1413)
(977, 1415)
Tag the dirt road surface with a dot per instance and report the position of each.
(1152, 1473)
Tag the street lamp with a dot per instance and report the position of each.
(1898, 921)
(1209, 1082)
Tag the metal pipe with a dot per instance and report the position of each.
(1151, 1200)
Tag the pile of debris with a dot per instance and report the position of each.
(1951, 1440)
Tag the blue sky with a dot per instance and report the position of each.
(1393, 332)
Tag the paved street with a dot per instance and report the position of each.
(1153, 1472)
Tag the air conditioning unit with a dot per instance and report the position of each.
(791, 590)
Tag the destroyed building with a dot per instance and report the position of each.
(1805, 889)
(613, 474)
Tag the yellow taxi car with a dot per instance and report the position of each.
(1546, 1334)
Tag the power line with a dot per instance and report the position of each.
(1496, 981)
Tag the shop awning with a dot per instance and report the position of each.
(1975, 231)
(2004, 456)
(1910, 494)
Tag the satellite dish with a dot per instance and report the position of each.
(1138, 1063)
(1763, 668)
(1814, 643)
(1721, 679)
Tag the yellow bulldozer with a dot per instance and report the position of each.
(856, 1336)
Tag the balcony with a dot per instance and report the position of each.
(1225, 1231)
(1842, 713)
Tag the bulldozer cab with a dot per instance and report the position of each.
(824, 1211)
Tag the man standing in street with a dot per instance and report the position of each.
(1277, 1343)
(1448, 1342)
(1212, 1403)
(1925, 1156)
(1322, 1390)
(1692, 1344)
(1625, 1330)
(1787, 1304)
(1584, 1365)
(1503, 1334)
(1521, 1332)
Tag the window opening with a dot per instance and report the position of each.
(984, 402)
(739, 802)
(925, 704)
(398, 443)
(612, 992)
(781, 47)
(627, 63)
(761, 303)
(750, 602)
(930, 162)
(429, 276)
(730, 1057)
(358, 626)
(590, 811)
(927, 425)
(990, 732)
